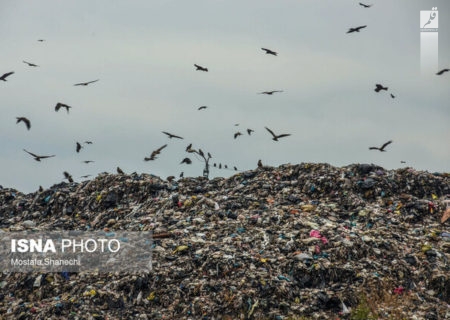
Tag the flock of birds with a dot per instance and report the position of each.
(206, 157)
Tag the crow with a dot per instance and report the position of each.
(181, 174)
(268, 51)
(260, 165)
(78, 147)
(85, 83)
(442, 71)
(120, 171)
(88, 142)
(235, 169)
(200, 152)
(171, 135)
(202, 107)
(392, 96)
(41, 40)
(237, 134)
(382, 147)
(155, 153)
(215, 165)
(402, 161)
(186, 160)
(276, 137)
(88, 161)
(31, 64)
(24, 120)
(86, 176)
(249, 131)
(36, 157)
(380, 87)
(355, 29)
(209, 155)
(68, 176)
(189, 147)
(365, 5)
(225, 166)
(200, 68)
(60, 105)
(6, 75)
(220, 166)
(270, 92)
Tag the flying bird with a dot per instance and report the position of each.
(60, 105)
(270, 92)
(237, 134)
(155, 153)
(276, 137)
(365, 5)
(31, 64)
(202, 107)
(249, 131)
(85, 83)
(186, 160)
(181, 174)
(24, 120)
(442, 71)
(200, 68)
(355, 29)
(36, 157)
(268, 51)
(88, 142)
(380, 87)
(392, 96)
(402, 161)
(215, 165)
(6, 75)
(382, 147)
(68, 176)
(209, 155)
(171, 135)
(85, 176)
(220, 166)
(120, 171)
(170, 178)
(78, 147)
(41, 40)
(225, 166)
(189, 147)
(200, 152)
(235, 169)
(88, 161)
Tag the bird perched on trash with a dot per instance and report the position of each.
(202, 107)
(186, 160)
(200, 68)
(31, 64)
(276, 137)
(6, 75)
(268, 51)
(249, 131)
(171, 135)
(270, 92)
(442, 71)
(78, 147)
(382, 147)
(24, 120)
(85, 83)
(365, 5)
(120, 171)
(237, 134)
(379, 87)
(36, 157)
(260, 165)
(170, 178)
(155, 153)
(60, 105)
(355, 29)
(68, 176)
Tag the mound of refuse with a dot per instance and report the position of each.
(307, 241)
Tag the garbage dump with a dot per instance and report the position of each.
(306, 241)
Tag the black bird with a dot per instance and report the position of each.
(402, 161)
(200, 152)
(209, 155)
(171, 135)
(41, 189)
(88, 161)
(88, 142)
(186, 160)
(268, 51)
(41, 40)
(31, 64)
(155, 153)
(276, 137)
(220, 166)
(365, 5)
(355, 29)
(60, 105)
(181, 174)
(235, 169)
(78, 147)
(382, 147)
(86, 176)
(442, 71)
(225, 166)
(85, 83)
(202, 107)
(270, 92)
(200, 68)
(260, 165)
(392, 96)
(237, 134)
(215, 165)
(380, 87)
(36, 157)
(249, 131)
(189, 147)
(120, 171)
(24, 120)
(68, 176)
(6, 75)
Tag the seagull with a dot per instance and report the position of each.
(237, 134)
(276, 137)
(249, 131)
(200, 68)
(380, 87)
(442, 71)
(85, 83)
(268, 51)
(60, 105)
(78, 148)
(186, 160)
(36, 157)
(270, 92)
(6, 75)
(171, 135)
(365, 5)
(68, 176)
(24, 120)
(88, 161)
(88, 142)
(392, 96)
(31, 64)
(355, 29)
(155, 153)
(120, 171)
(202, 107)
(382, 147)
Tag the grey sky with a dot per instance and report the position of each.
(143, 53)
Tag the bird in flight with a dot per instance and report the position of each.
(276, 137)
(442, 71)
(249, 131)
(88, 161)
(36, 157)
(155, 153)
(380, 87)
(402, 161)
(68, 176)
(24, 120)
(382, 147)
(88, 142)
(270, 92)
(171, 135)
(86, 176)
(268, 51)
(392, 96)
(202, 107)
(60, 105)
(365, 5)
(235, 169)
(200, 68)
(31, 64)
(120, 171)
(237, 134)
(189, 148)
(6, 75)
(78, 147)
(355, 29)
(85, 83)
(41, 40)
(186, 160)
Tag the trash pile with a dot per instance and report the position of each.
(307, 241)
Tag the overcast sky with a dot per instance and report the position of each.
(144, 52)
